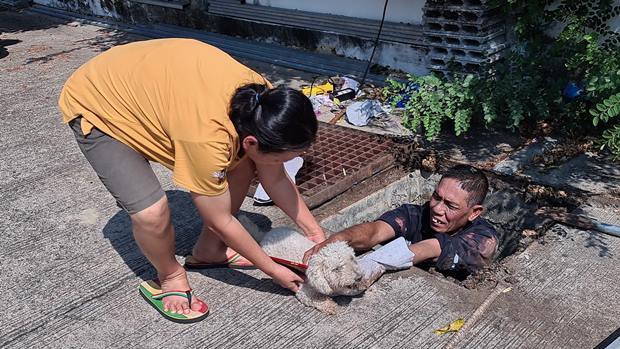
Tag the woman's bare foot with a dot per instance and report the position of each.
(177, 281)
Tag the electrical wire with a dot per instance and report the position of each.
(375, 46)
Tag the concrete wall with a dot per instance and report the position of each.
(103, 8)
(405, 11)
(413, 188)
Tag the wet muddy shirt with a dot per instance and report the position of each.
(469, 249)
(167, 99)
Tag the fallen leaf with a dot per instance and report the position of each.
(455, 326)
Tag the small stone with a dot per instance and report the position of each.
(511, 280)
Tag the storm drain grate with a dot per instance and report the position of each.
(340, 158)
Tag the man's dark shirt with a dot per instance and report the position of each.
(469, 249)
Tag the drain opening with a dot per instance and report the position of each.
(510, 209)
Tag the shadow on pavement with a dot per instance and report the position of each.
(187, 225)
(12, 21)
(240, 279)
(4, 43)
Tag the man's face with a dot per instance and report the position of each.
(449, 208)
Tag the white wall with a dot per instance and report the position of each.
(405, 11)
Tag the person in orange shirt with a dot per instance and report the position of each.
(215, 124)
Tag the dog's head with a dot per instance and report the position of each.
(334, 269)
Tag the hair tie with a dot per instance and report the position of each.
(257, 98)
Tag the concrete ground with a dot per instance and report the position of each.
(70, 268)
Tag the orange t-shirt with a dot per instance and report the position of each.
(168, 99)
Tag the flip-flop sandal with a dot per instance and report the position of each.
(152, 293)
(235, 261)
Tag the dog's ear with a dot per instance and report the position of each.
(316, 276)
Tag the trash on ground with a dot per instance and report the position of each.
(314, 90)
(360, 112)
(321, 103)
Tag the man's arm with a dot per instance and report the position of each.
(425, 250)
(286, 196)
(360, 237)
(468, 250)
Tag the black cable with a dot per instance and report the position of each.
(312, 84)
(375, 46)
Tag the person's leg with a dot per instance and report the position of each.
(210, 248)
(129, 177)
(154, 233)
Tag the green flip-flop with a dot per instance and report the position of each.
(151, 291)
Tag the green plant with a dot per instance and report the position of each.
(570, 79)
(607, 109)
(514, 91)
(431, 100)
(611, 140)
(603, 112)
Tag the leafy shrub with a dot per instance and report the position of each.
(527, 85)
(431, 101)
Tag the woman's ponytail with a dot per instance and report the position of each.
(281, 119)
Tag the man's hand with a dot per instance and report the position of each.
(316, 248)
(320, 245)
(286, 278)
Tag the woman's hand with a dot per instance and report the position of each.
(317, 238)
(286, 278)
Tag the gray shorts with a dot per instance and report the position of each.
(126, 174)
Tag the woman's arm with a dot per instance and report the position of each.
(215, 213)
(286, 196)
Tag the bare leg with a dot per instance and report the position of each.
(154, 233)
(209, 247)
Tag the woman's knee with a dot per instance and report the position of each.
(155, 218)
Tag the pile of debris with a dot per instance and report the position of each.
(340, 100)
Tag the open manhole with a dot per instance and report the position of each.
(509, 209)
(338, 159)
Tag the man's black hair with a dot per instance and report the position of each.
(281, 119)
(472, 180)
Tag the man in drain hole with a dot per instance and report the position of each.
(447, 230)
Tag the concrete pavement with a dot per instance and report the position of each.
(70, 268)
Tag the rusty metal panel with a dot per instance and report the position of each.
(340, 158)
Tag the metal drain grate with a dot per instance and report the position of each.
(338, 159)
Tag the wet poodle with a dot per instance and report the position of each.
(333, 271)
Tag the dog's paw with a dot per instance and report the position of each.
(328, 308)
(310, 298)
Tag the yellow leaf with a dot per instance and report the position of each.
(455, 326)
